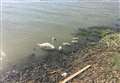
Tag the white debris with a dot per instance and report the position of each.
(64, 74)
(14, 71)
(60, 48)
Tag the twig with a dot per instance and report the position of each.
(75, 74)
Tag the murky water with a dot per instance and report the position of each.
(26, 23)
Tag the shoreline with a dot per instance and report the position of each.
(54, 65)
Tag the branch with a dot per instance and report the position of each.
(75, 74)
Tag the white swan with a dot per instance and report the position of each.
(66, 44)
(46, 46)
(74, 41)
(75, 38)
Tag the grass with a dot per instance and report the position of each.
(95, 31)
(115, 60)
(106, 36)
(112, 40)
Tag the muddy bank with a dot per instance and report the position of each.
(89, 50)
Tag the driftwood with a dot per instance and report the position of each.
(75, 74)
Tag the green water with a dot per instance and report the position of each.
(26, 23)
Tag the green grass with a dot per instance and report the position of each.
(113, 40)
(114, 43)
(105, 36)
(95, 31)
(116, 61)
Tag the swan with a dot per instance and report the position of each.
(65, 48)
(74, 41)
(75, 38)
(46, 46)
(66, 44)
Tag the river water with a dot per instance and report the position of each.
(28, 22)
